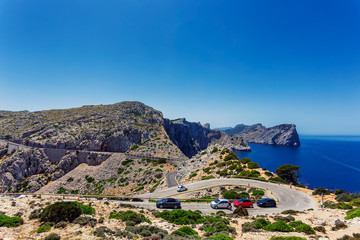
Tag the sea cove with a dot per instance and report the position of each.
(325, 161)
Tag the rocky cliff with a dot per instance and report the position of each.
(284, 134)
(192, 137)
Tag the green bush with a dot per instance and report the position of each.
(60, 211)
(145, 230)
(83, 221)
(346, 197)
(129, 216)
(61, 190)
(193, 175)
(277, 179)
(280, 226)
(221, 237)
(234, 195)
(255, 226)
(207, 169)
(214, 150)
(355, 202)
(289, 173)
(245, 160)
(285, 219)
(353, 213)
(181, 217)
(185, 232)
(6, 221)
(295, 224)
(231, 156)
(85, 209)
(269, 174)
(89, 179)
(259, 193)
(305, 229)
(252, 165)
(321, 190)
(52, 236)
(126, 162)
(42, 229)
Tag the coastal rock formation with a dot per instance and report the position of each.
(192, 137)
(284, 134)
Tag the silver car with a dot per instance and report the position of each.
(220, 203)
(181, 188)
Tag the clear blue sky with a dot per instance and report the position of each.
(222, 62)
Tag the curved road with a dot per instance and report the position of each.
(287, 197)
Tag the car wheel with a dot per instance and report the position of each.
(175, 206)
(161, 206)
(252, 206)
(216, 207)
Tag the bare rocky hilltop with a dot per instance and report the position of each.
(57, 142)
(284, 134)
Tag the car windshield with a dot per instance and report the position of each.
(217, 201)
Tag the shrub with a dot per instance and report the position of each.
(61, 190)
(240, 211)
(61, 224)
(207, 169)
(290, 212)
(339, 191)
(52, 236)
(87, 210)
(101, 231)
(221, 237)
(70, 179)
(234, 195)
(255, 226)
(6, 221)
(252, 165)
(185, 232)
(126, 162)
(269, 174)
(295, 224)
(280, 226)
(356, 236)
(355, 202)
(320, 229)
(41, 229)
(193, 175)
(305, 229)
(120, 170)
(321, 190)
(89, 179)
(245, 160)
(60, 211)
(285, 219)
(83, 221)
(231, 156)
(214, 150)
(259, 193)
(145, 230)
(346, 197)
(353, 213)
(181, 217)
(129, 217)
(35, 214)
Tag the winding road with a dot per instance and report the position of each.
(287, 198)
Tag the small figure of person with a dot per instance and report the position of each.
(229, 206)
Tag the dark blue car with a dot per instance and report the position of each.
(266, 202)
(168, 203)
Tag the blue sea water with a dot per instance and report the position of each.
(332, 162)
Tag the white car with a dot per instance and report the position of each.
(181, 188)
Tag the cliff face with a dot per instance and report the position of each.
(284, 134)
(56, 142)
(192, 137)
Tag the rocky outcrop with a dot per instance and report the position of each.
(28, 169)
(284, 134)
(192, 137)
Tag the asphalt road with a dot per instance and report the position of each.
(170, 179)
(287, 198)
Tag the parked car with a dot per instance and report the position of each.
(181, 188)
(220, 203)
(168, 203)
(243, 203)
(266, 202)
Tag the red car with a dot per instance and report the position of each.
(243, 203)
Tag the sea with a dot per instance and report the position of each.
(332, 162)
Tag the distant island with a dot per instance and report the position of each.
(284, 134)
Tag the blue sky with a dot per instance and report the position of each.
(222, 62)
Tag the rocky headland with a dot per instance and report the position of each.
(284, 134)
